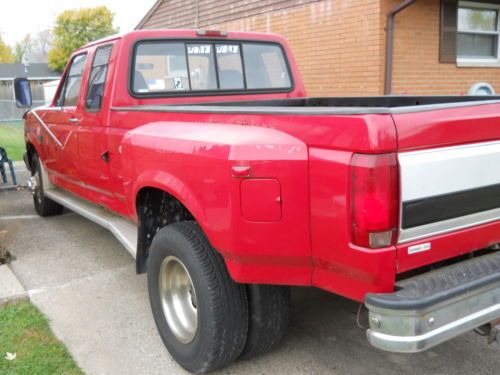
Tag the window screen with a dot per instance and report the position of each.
(95, 91)
(167, 67)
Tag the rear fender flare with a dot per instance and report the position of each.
(173, 186)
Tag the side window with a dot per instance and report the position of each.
(95, 90)
(73, 82)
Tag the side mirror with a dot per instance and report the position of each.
(22, 92)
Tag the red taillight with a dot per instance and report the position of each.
(211, 33)
(374, 199)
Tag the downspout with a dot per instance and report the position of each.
(197, 20)
(389, 51)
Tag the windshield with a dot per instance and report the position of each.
(172, 66)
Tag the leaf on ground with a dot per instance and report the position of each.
(10, 356)
(5, 256)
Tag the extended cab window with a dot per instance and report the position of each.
(95, 91)
(167, 67)
(73, 81)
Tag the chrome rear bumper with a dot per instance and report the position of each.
(435, 307)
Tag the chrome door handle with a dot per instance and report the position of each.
(73, 120)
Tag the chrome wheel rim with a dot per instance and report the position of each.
(178, 299)
(36, 187)
(32, 185)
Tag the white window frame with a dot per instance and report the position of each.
(480, 61)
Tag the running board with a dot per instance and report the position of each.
(123, 229)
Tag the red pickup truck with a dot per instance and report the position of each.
(202, 153)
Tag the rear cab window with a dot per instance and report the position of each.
(193, 67)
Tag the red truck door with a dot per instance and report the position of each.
(93, 117)
(61, 157)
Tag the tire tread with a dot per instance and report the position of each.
(47, 207)
(228, 311)
(269, 315)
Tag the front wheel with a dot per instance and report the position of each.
(201, 314)
(43, 206)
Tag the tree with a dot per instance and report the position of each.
(6, 56)
(21, 48)
(34, 47)
(75, 28)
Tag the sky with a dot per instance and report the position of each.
(20, 17)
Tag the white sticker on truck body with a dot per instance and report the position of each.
(419, 248)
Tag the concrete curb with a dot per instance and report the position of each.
(11, 289)
(12, 187)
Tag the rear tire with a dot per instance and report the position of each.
(269, 308)
(43, 206)
(205, 329)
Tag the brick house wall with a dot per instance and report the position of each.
(333, 41)
(340, 44)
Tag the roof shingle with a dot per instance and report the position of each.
(35, 70)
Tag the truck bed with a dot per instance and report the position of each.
(327, 105)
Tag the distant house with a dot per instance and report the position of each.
(363, 47)
(37, 73)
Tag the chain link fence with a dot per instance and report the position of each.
(9, 111)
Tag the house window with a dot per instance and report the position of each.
(478, 38)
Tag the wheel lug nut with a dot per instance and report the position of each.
(375, 321)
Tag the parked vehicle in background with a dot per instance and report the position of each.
(202, 153)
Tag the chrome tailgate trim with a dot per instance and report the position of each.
(437, 172)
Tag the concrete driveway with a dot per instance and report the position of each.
(84, 281)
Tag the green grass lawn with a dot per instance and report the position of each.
(12, 139)
(25, 331)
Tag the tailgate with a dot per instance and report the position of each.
(449, 164)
